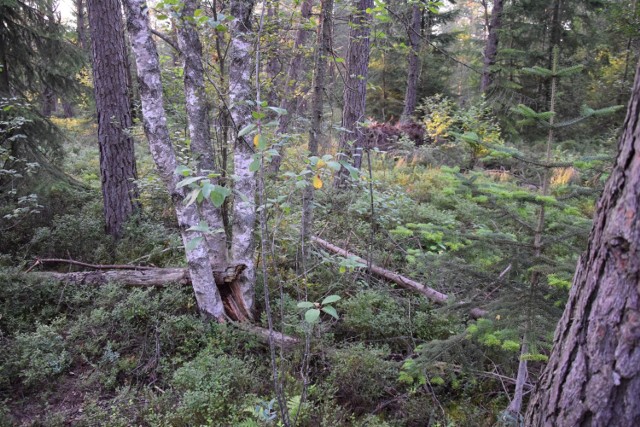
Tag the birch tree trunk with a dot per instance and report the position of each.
(244, 206)
(110, 81)
(413, 74)
(198, 121)
(593, 374)
(155, 126)
(290, 98)
(491, 47)
(355, 91)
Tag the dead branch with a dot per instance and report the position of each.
(405, 282)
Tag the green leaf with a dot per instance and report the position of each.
(279, 111)
(193, 243)
(202, 227)
(330, 311)
(189, 180)
(334, 165)
(311, 316)
(245, 130)
(255, 165)
(331, 299)
(183, 170)
(218, 195)
(305, 304)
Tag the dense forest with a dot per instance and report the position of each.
(319, 213)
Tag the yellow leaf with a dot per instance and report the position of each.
(321, 163)
(256, 140)
(317, 182)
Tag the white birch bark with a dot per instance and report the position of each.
(244, 206)
(155, 126)
(198, 124)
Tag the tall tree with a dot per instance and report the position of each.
(355, 88)
(111, 88)
(202, 151)
(290, 98)
(593, 374)
(315, 131)
(413, 66)
(491, 45)
(155, 126)
(244, 206)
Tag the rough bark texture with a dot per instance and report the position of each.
(155, 126)
(355, 90)
(413, 70)
(290, 98)
(244, 207)
(315, 131)
(110, 82)
(198, 121)
(593, 374)
(491, 46)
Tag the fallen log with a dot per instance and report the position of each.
(145, 277)
(155, 277)
(405, 282)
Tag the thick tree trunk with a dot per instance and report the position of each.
(198, 120)
(315, 132)
(155, 126)
(352, 139)
(491, 47)
(593, 374)
(413, 70)
(244, 206)
(290, 99)
(110, 82)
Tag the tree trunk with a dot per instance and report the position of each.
(155, 126)
(244, 206)
(323, 51)
(411, 93)
(110, 81)
(352, 139)
(290, 99)
(491, 47)
(593, 374)
(198, 122)
(80, 26)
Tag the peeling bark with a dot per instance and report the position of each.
(155, 126)
(244, 206)
(110, 81)
(198, 122)
(593, 374)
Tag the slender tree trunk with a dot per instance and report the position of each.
(593, 374)
(5, 88)
(289, 98)
(110, 81)
(80, 25)
(413, 75)
(273, 62)
(155, 126)
(352, 139)
(244, 206)
(198, 122)
(491, 47)
(315, 132)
